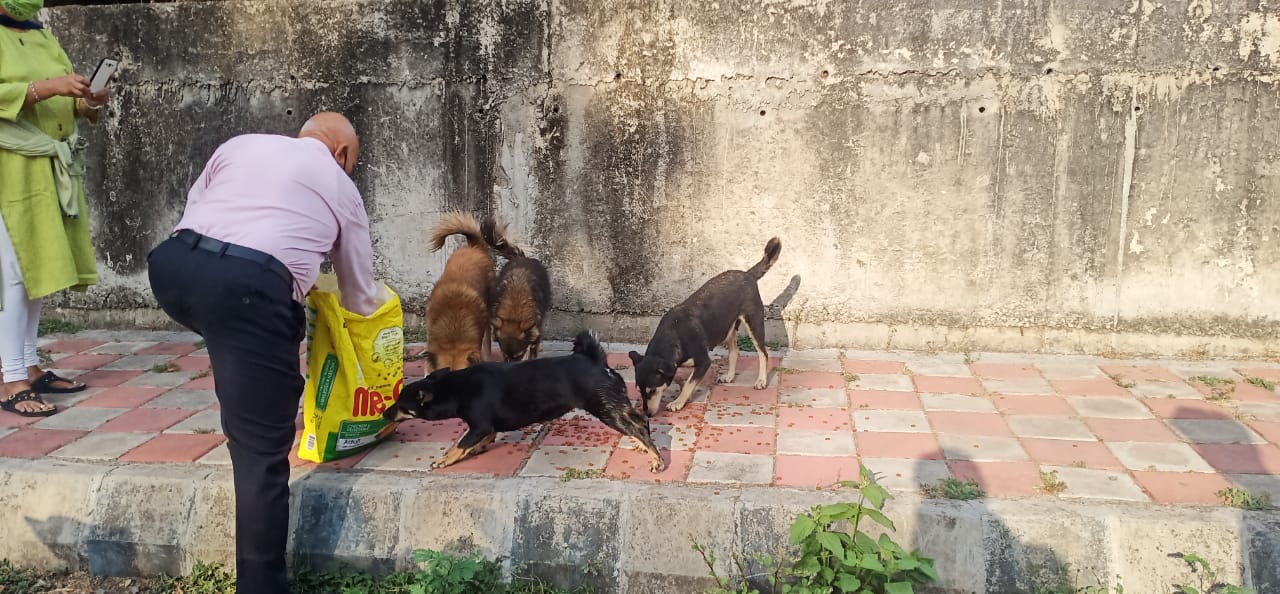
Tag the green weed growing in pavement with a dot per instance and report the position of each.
(571, 474)
(952, 488)
(1050, 482)
(45, 357)
(834, 559)
(166, 367)
(745, 344)
(1122, 382)
(57, 327)
(1243, 499)
(1219, 388)
(1263, 383)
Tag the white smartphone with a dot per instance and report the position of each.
(106, 69)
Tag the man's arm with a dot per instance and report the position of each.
(353, 262)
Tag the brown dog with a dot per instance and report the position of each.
(521, 299)
(458, 327)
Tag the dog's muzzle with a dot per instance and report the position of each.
(395, 413)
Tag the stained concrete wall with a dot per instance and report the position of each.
(1027, 174)
(623, 538)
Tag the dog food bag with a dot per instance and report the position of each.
(355, 368)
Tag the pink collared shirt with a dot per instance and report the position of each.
(287, 197)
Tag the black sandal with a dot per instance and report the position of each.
(44, 384)
(11, 405)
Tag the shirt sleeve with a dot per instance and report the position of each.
(12, 96)
(352, 257)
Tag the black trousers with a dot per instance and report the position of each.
(252, 327)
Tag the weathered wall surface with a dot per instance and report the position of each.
(1024, 174)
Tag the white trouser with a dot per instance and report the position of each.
(19, 316)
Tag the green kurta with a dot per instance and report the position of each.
(54, 252)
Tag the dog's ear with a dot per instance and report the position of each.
(635, 357)
(420, 391)
(666, 369)
(435, 376)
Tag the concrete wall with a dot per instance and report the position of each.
(1026, 174)
(624, 538)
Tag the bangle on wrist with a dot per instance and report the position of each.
(34, 93)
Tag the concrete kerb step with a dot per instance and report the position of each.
(122, 519)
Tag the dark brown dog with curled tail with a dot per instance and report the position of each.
(522, 298)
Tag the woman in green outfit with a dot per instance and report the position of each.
(44, 238)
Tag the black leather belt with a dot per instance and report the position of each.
(200, 242)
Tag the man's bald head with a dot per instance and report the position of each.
(337, 133)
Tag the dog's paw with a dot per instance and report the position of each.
(761, 383)
(657, 466)
(675, 406)
(439, 464)
(725, 378)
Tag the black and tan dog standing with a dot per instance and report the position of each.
(711, 316)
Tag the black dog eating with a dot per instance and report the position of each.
(493, 397)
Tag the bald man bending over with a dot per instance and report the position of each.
(258, 222)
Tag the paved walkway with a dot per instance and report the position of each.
(1164, 431)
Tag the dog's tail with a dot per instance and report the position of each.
(771, 251)
(457, 223)
(586, 345)
(495, 234)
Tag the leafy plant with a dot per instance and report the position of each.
(774, 572)
(57, 327)
(745, 344)
(1263, 383)
(835, 554)
(1243, 499)
(833, 560)
(1050, 482)
(434, 573)
(951, 488)
(208, 579)
(18, 580)
(1207, 579)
